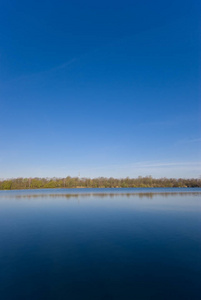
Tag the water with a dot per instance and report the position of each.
(100, 244)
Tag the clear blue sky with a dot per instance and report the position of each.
(104, 88)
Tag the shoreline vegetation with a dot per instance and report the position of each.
(100, 182)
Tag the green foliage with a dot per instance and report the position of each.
(100, 182)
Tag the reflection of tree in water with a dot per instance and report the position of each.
(141, 195)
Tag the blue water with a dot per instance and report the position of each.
(100, 244)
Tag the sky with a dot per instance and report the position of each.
(100, 88)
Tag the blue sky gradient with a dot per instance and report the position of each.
(101, 89)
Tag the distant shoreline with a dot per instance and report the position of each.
(100, 182)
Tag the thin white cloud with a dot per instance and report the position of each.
(149, 165)
(187, 141)
(58, 67)
(170, 164)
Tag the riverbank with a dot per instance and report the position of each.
(100, 182)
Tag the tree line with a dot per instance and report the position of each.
(100, 182)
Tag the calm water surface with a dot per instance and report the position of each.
(100, 244)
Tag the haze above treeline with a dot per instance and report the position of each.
(100, 182)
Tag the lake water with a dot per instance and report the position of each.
(100, 244)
